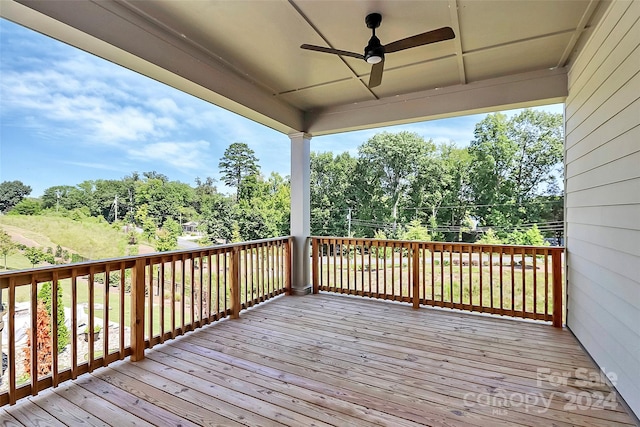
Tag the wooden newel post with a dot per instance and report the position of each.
(415, 269)
(315, 258)
(137, 311)
(556, 265)
(234, 276)
(287, 265)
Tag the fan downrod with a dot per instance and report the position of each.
(373, 20)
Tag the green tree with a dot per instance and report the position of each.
(7, 246)
(531, 236)
(165, 241)
(331, 192)
(217, 217)
(34, 255)
(263, 209)
(238, 162)
(172, 227)
(163, 199)
(416, 231)
(397, 174)
(12, 193)
(490, 238)
(27, 207)
(45, 295)
(451, 194)
(514, 160)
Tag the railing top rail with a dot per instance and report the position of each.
(23, 277)
(410, 242)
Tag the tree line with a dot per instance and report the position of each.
(497, 188)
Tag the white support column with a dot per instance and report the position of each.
(300, 212)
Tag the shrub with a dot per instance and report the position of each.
(45, 296)
(490, 238)
(43, 346)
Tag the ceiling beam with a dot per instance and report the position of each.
(514, 91)
(586, 16)
(113, 31)
(455, 24)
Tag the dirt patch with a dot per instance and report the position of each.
(145, 249)
(19, 238)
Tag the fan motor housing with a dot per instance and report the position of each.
(373, 20)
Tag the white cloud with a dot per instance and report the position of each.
(182, 155)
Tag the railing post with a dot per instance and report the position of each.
(137, 311)
(556, 266)
(314, 265)
(415, 269)
(287, 265)
(234, 273)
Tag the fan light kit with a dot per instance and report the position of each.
(374, 51)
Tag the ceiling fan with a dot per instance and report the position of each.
(374, 51)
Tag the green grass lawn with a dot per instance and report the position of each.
(450, 283)
(88, 238)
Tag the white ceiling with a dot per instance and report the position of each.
(245, 55)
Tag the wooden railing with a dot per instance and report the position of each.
(516, 281)
(132, 303)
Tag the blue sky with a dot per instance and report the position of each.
(67, 116)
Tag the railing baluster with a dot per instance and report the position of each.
(433, 275)
(12, 341)
(137, 311)
(161, 285)
(481, 271)
(245, 276)
(535, 284)
(470, 253)
(523, 271)
(34, 335)
(122, 320)
(491, 276)
(234, 275)
(451, 276)
(200, 286)
(150, 306)
(105, 317)
(362, 268)
(461, 275)
(74, 323)
(218, 286)
(54, 329)
(501, 281)
(546, 283)
(513, 283)
(192, 296)
(91, 332)
(183, 286)
(209, 287)
(173, 297)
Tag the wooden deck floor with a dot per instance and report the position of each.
(335, 360)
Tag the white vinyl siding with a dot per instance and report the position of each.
(602, 168)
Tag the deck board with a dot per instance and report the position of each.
(322, 360)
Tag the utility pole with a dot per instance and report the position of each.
(349, 223)
(57, 200)
(115, 203)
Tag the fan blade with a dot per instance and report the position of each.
(441, 34)
(376, 74)
(334, 51)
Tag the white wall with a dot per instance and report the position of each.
(602, 160)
